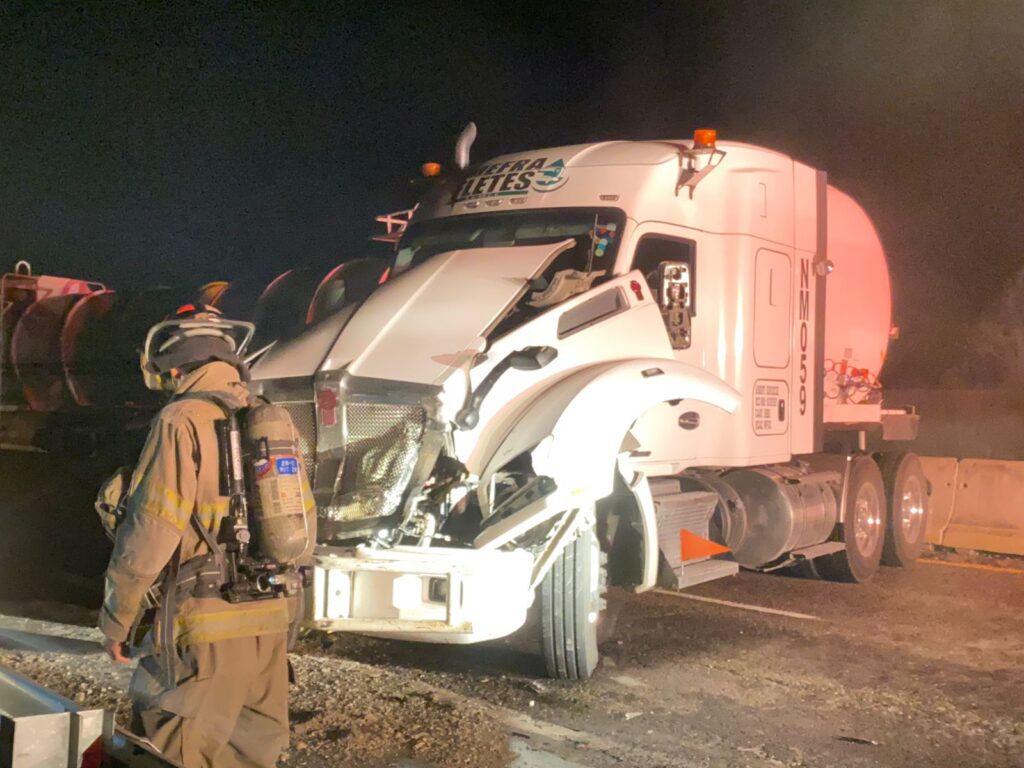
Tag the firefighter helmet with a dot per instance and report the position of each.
(193, 335)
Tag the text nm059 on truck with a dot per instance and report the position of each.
(693, 328)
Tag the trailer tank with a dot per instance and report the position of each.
(858, 305)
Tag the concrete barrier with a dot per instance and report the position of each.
(941, 473)
(988, 512)
(976, 504)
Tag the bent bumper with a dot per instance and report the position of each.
(432, 595)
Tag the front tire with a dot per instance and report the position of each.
(906, 489)
(570, 608)
(862, 530)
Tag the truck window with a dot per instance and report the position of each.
(652, 250)
(596, 231)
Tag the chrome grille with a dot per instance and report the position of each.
(303, 416)
(382, 445)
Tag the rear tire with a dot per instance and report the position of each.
(906, 490)
(863, 530)
(570, 608)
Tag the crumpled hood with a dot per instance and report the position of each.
(425, 324)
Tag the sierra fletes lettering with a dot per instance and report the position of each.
(514, 178)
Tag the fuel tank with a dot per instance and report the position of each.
(767, 512)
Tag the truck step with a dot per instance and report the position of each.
(691, 574)
(677, 511)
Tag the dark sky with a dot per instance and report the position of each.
(168, 144)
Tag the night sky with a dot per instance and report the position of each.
(169, 145)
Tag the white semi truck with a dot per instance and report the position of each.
(643, 360)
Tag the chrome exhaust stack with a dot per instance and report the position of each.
(463, 144)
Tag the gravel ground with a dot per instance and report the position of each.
(922, 667)
(343, 713)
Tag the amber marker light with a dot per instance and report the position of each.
(705, 138)
(430, 169)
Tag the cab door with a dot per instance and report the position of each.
(773, 281)
(662, 432)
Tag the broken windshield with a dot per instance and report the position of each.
(597, 232)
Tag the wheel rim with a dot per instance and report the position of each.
(912, 508)
(867, 519)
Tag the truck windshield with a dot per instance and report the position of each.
(597, 233)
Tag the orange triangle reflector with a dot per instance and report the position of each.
(692, 546)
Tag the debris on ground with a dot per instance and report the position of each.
(375, 715)
(858, 740)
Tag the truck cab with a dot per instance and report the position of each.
(614, 358)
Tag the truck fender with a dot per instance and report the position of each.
(641, 490)
(576, 427)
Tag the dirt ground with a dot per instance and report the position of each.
(922, 667)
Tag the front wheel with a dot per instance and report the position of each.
(862, 529)
(570, 608)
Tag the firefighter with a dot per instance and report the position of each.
(211, 687)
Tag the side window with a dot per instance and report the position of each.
(652, 250)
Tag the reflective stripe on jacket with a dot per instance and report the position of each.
(178, 473)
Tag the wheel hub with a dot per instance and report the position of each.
(911, 509)
(867, 519)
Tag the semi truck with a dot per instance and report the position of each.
(622, 363)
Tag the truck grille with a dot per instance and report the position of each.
(383, 442)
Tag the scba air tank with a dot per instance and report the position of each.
(280, 490)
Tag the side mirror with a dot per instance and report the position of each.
(676, 301)
(532, 358)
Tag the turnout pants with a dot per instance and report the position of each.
(228, 709)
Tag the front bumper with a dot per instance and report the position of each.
(428, 594)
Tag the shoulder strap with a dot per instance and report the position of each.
(205, 536)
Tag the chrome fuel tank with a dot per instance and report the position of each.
(783, 509)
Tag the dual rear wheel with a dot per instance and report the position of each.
(907, 490)
(886, 505)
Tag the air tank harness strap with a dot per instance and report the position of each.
(165, 619)
(150, 602)
(216, 555)
(199, 576)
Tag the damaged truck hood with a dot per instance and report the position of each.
(428, 322)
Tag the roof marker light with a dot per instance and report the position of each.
(705, 138)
